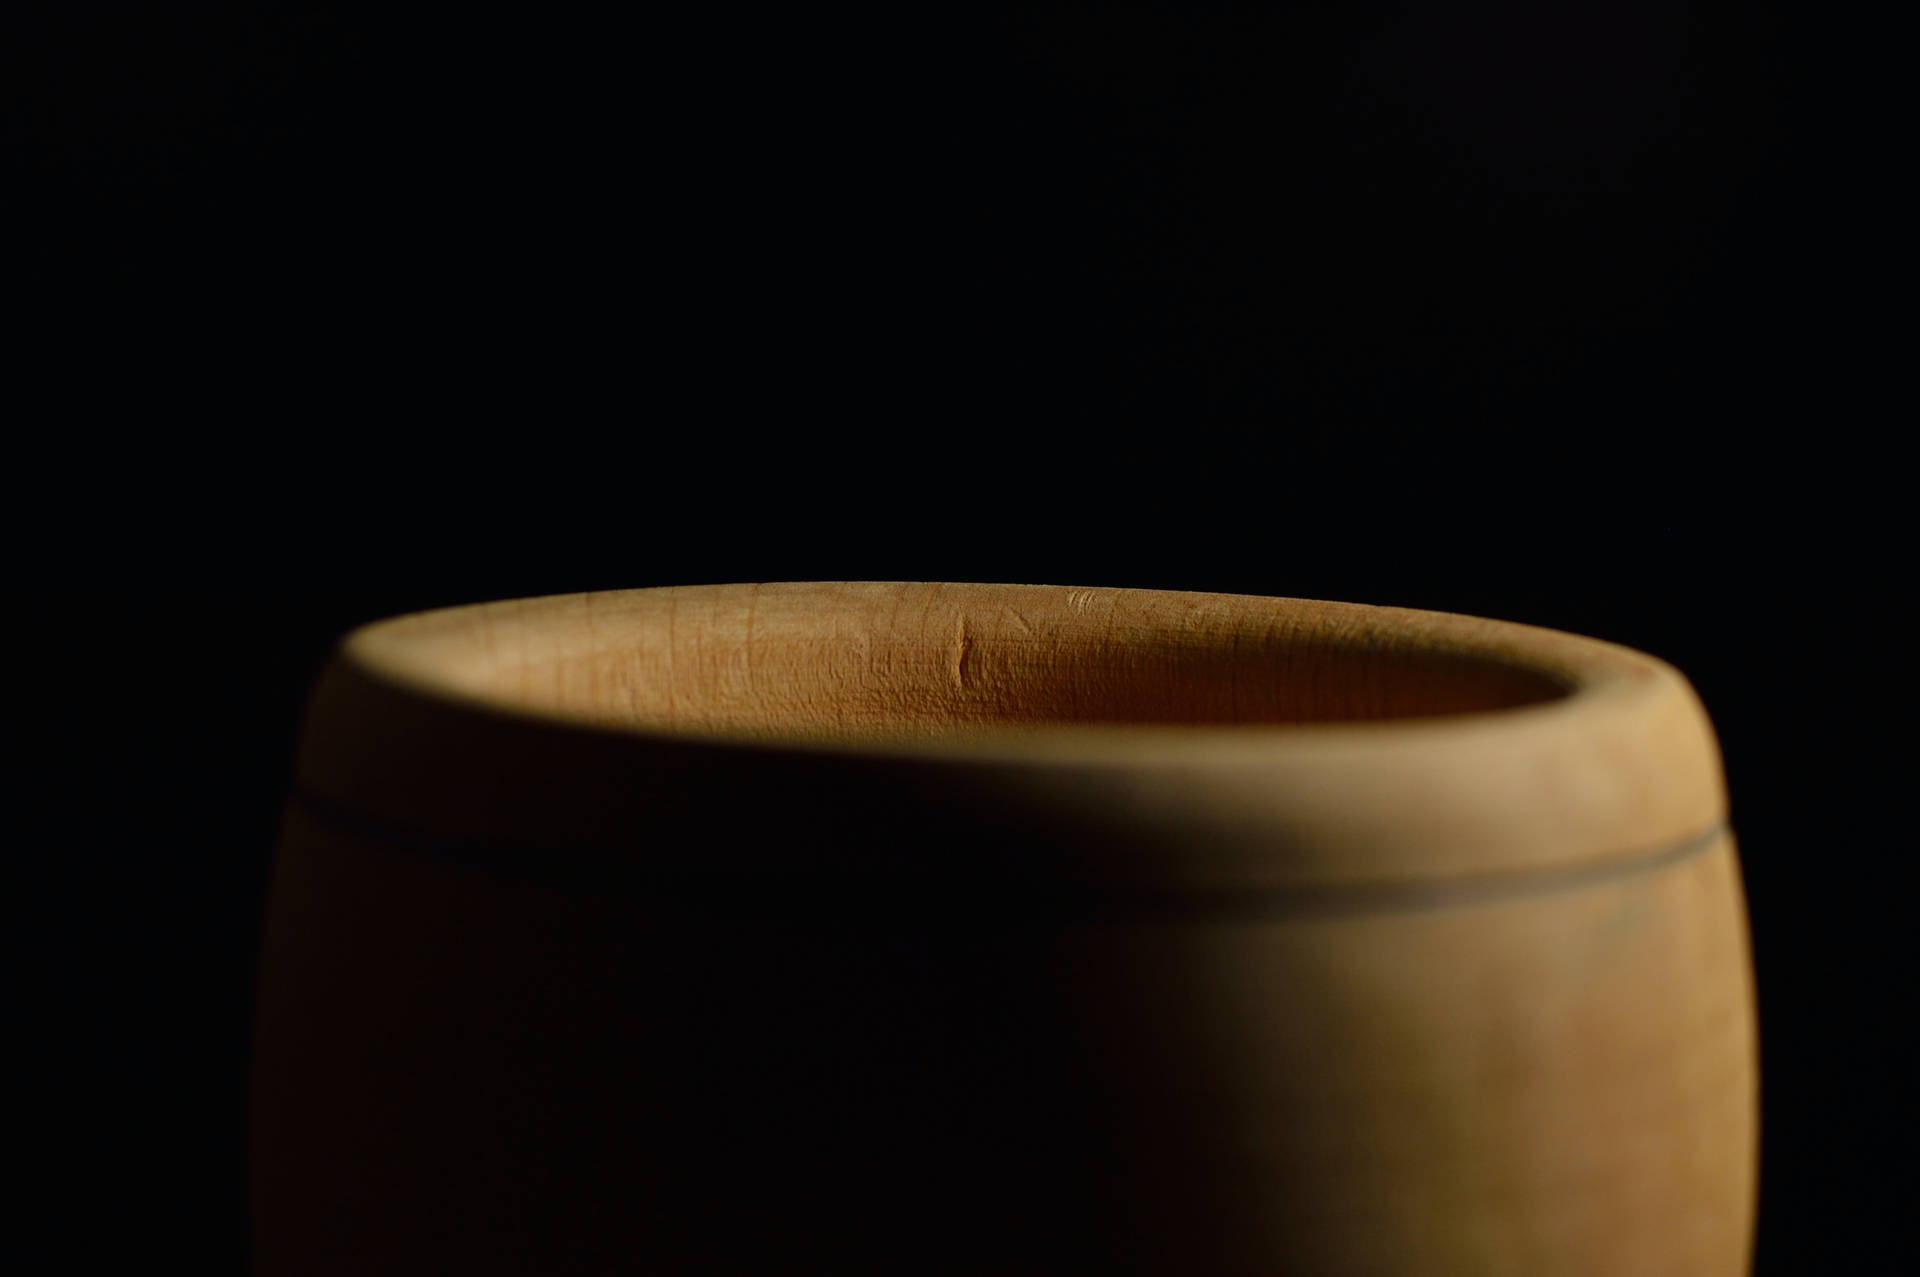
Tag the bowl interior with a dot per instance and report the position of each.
(880, 660)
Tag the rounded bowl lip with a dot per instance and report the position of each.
(1588, 672)
(1619, 767)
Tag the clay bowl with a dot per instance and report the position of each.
(909, 928)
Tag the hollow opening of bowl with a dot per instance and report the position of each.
(879, 661)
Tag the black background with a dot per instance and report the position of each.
(1484, 307)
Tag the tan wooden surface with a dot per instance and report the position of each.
(869, 927)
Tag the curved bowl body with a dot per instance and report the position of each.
(909, 928)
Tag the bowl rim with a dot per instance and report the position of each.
(1620, 763)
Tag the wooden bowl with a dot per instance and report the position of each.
(911, 928)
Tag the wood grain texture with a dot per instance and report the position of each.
(865, 927)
